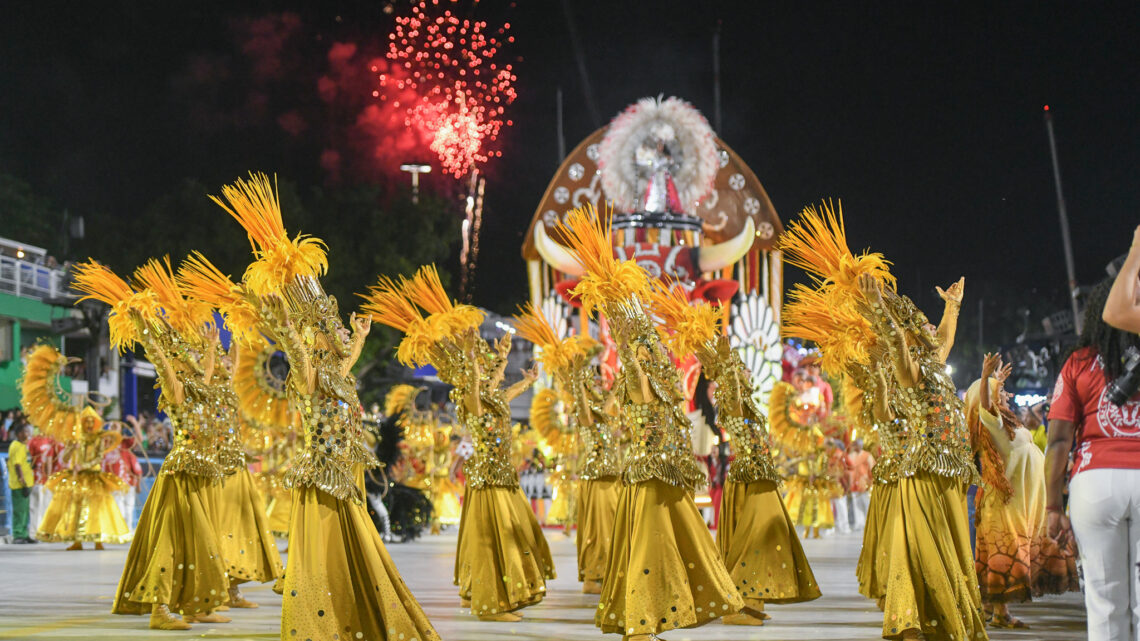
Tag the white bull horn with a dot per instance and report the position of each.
(556, 255)
(716, 257)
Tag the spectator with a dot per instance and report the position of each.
(20, 482)
(1104, 487)
(123, 463)
(45, 453)
(860, 462)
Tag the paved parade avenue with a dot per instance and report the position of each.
(48, 593)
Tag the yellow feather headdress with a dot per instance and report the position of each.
(279, 260)
(449, 319)
(557, 353)
(613, 285)
(685, 327)
(202, 281)
(827, 313)
(187, 316)
(387, 303)
(41, 397)
(99, 283)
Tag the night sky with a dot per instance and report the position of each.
(925, 120)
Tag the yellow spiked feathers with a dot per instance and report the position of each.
(279, 260)
(686, 327)
(188, 317)
(387, 303)
(98, 282)
(40, 395)
(817, 243)
(608, 281)
(204, 282)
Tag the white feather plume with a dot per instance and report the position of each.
(695, 149)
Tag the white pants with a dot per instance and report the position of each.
(1104, 506)
(842, 520)
(860, 502)
(126, 503)
(37, 507)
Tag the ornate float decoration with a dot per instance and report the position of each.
(686, 208)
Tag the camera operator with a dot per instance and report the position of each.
(1122, 309)
(1104, 488)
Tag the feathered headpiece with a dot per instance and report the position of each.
(828, 312)
(558, 353)
(400, 398)
(449, 319)
(279, 260)
(615, 286)
(99, 283)
(41, 396)
(202, 281)
(387, 303)
(686, 328)
(187, 316)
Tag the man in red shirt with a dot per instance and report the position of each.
(123, 463)
(45, 453)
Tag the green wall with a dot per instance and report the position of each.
(31, 322)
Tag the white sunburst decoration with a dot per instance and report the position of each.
(756, 335)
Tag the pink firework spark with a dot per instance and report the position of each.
(461, 92)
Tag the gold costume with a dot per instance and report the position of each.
(664, 569)
(853, 312)
(82, 507)
(340, 579)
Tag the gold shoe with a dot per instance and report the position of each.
(506, 617)
(741, 618)
(75, 546)
(222, 608)
(162, 619)
(465, 603)
(238, 600)
(212, 617)
(592, 587)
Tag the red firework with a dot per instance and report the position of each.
(461, 92)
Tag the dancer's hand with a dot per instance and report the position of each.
(953, 293)
(1058, 527)
(361, 324)
(870, 288)
(990, 364)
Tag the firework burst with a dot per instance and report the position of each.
(461, 92)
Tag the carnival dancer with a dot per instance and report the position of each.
(568, 361)
(757, 537)
(82, 507)
(1015, 559)
(174, 562)
(502, 560)
(340, 580)
(237, 507)
(664, 570)
(932, 587)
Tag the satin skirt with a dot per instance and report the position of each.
(83, 509)
(597, 506)
(761, 550)
(874, 559)
(502, 561)
(664, 570)
(340, 580)
(445, 500)
(244, 537)
(932, 586)
(174, 558)
(809, 503)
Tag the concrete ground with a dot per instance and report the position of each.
(48, 593)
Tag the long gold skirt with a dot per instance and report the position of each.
(564, 500)
(278, 503)
(597, 506)
(83, 509)
(174, 557)
(444, 495)
(809, 503)
(243, 529)
(874, 559)
(664, 571)
(340, 579)
(758, 543)
(932, 586)
(503, 561)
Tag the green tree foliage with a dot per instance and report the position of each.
(27, 217)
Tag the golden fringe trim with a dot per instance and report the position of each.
(686, 475)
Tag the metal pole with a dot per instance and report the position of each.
(561, 133)
(716, 78)
(1065, 238)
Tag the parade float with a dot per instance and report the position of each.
(687, 208)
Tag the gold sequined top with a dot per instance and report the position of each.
(227, 423)
(332, 420)
(661, 433)
(738, 415)
(194, 451)
(936, 438)
(490, 465)
(889, 433)
(599, 455)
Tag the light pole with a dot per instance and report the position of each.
(415, 169)
(1065, 238)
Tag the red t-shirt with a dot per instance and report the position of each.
(42, 450)
(1107, 436)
